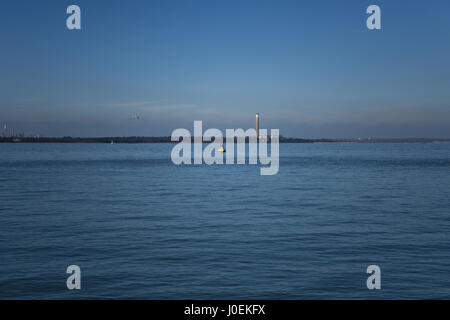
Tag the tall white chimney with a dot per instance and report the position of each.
(257, 126)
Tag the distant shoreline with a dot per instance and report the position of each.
(156, 140)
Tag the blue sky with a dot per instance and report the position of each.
(310, 68)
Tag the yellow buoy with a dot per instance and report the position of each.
(221, 149)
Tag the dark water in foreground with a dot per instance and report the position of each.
(141, 227)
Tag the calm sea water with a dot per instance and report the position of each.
(140, 227)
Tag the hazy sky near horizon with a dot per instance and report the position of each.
(310, 68)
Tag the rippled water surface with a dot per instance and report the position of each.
(141, 227)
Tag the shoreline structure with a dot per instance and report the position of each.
(167, 139)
